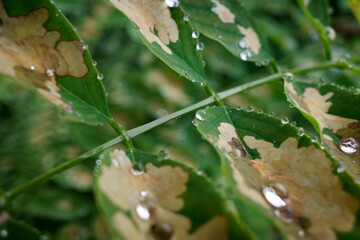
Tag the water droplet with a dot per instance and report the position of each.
(85, 46)
(32, 67)
(242, 43)
(203, 63)
(301, 233)
(250, 108)
(163, 153)
(330, 32)
(288, 76)
(272, 114)
(239, 108)
(349, 145)
(195, 34)
(3, 233)
(285, 120)
(162, 231)
(172, 3)
(220, 37)
(98, 162)
(137, 169)
(94, 63)
(186, 18)
(142, 212)
(300, 132)
(244, 55)
(100, 76)
(340, 169)
(274, 194)
(261, 111)
(200, 115)
(50, 72)
(200, 46)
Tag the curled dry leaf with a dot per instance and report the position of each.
(151, 198)
(34, 55)
(148, 16)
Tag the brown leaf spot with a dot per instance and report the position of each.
(29, 53)
(317, 105)
(233, 149)
(225, 15)
(158, 190)
(148, 15)
(314, 192)
(251, 38)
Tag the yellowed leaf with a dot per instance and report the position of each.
(148, 16)
(313, 103)
(152, 198)
(311, 190)
(251, 38)
(225, 15)
(28, 52)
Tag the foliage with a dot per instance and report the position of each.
(241, 118)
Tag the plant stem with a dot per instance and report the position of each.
(121, 131)
(46, 176)
(212, 93)
(274, 66)
(146, 127)
(318, 27)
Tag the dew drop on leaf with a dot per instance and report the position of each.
(100, 76)
(288, 76)
(163, 153)
(142, 211)
(195, 34)
(186, 18)
(162, 231)
(273, 196)
(340, 169)
(94, 63)
(242, 43)
(137, 169)
(300, 132)
(172, 3)
(3, 233)
(250, 108)
(330, 32)
(285, 120)
(349, 145)
(200, 115)
(200, 46)
(32, 67)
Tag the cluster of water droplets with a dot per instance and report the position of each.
(98, 163)
(245, 53)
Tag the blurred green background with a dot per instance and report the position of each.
(140, 88)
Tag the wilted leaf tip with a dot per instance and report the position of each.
(148, 16)
(32, 54)
(152, 197)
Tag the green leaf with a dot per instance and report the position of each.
(143, 195)
(228, 23)
(278, 167)
(167, 35)
(15, 230)
(335, 112)
(355, 8)
(41, 49)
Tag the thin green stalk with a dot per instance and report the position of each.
(212, 93)
(122, 132)
(275, 67)
(139, 130)
(318, 27)
(46, 176)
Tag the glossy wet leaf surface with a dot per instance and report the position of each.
(277, 166)
(228, 23)
(165, 32)
(143, 195)
(334, 112)
(39, 48)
